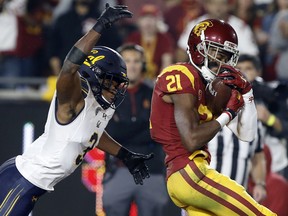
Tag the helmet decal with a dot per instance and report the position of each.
(202, 26)
(90, 60)
(94, 51)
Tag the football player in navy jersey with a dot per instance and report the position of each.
(91, 84)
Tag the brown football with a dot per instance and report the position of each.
(217, 96)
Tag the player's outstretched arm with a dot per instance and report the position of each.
(68, 84)
(135, 162)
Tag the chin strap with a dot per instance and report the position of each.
(204, 70)
(103, 102)
(207, 74)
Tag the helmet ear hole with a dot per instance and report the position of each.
(198, 59)
(98, 71)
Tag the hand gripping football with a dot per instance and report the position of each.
(217, 95)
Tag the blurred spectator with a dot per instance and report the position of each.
(277, 189)
(271, 104)
(219, 9)
(21, 40)
(170, 3)
(8, 29)
(16, 7)
(62, 7)
(79, 19)
(134, 7)
(278, 42)
(274, 116)
(247, 11)
(130, 125)
(267, 55)
(180, 14)
(158, 45)
(262, 2)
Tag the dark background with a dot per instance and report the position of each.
(70, 196)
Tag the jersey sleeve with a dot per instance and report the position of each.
(176, 79)
(244, 125)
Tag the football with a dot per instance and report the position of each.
(217, 95)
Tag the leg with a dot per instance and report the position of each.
(17, 195)
(198, 188)
(118, 193)
(152, 196)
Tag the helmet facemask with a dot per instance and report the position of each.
(110, 83)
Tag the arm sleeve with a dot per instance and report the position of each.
(244, 125)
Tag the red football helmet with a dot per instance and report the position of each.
(209, 39)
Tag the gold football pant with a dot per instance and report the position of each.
(202, 191)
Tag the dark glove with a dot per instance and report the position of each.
(234, 104)
(110, 15)
(135, 163)
(234, 78)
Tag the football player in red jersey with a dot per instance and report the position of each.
(183, 125)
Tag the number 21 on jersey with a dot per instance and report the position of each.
(174, 83)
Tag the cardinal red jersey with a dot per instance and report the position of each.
(176, 79)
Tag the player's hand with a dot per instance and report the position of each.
(135, 163)
(234, 78)
(110, 15)
(234, 104)
(259, 192)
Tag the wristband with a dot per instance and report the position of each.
(271, 120)
(76, 56)
(223, 119)
(232, 114)
(123, 153)
(98, 27)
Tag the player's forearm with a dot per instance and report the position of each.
(194, 135)
(88, 41)
(108, 144)
(79, 51)
(68, 83)
(258, 171)
(199, 136)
